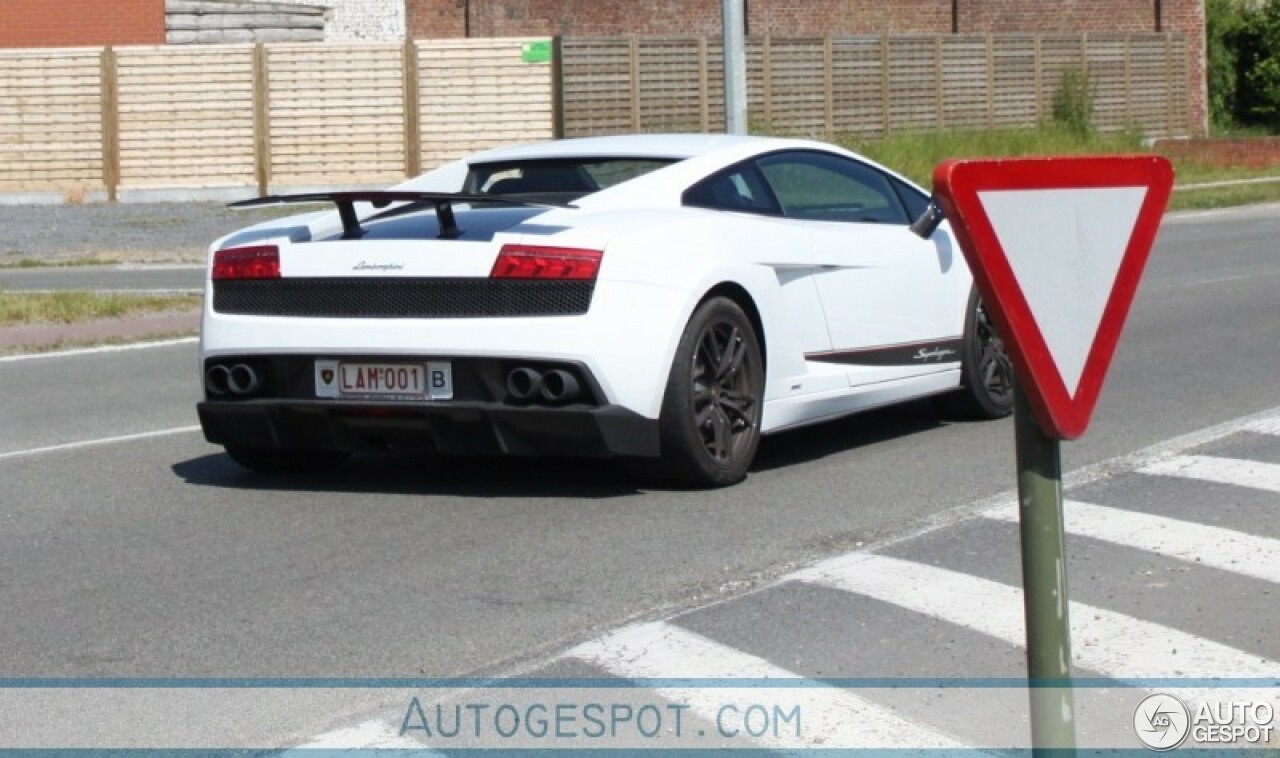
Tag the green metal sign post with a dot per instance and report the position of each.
(1044, 581)
(1056, 246)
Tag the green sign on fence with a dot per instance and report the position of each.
(538, 51)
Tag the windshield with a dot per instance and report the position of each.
(560, 180)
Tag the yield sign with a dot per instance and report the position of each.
(1057, 246)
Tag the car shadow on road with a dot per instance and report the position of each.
(419, 473)
(812, 443)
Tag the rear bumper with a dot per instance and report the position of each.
(465, 428)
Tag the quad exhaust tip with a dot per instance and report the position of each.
(555, 386)
(240, 379)
(523, 383)
(559, 386)
(217, 381)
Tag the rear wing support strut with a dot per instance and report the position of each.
(351, 221)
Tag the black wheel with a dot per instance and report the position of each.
(268, 461)
(986, 377)
(710, 423)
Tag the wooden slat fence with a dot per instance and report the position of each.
(259, 117)
(51, 106)
(475, 97)
(269, 117)
(876, 84)
(185, 119)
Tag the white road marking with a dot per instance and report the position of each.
(1110, 643)
(1006, 613)
(96, 350)
(109, 290)
(1213, 546)
(371, 734)
(95, 443)
(661, 650)
(1264, 426)
(1234, 471)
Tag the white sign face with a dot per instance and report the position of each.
(1065, 247)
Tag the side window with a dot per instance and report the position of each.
(915, 200)
(737, 189)
(820, 187)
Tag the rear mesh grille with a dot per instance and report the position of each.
(401, 298)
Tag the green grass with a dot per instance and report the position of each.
(60, 263)
(73, 307)
(1223, 197)
(916, 155)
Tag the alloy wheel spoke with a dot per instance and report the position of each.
(737, 407)
(721, 434)
(735, 352)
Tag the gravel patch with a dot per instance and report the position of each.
(155, 232)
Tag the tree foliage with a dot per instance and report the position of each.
(1243, 39)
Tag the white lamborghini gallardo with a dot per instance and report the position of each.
(669, 297)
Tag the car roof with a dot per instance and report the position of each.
(658, 146)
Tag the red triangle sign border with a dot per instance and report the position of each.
(957, 184)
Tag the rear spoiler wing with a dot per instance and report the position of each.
(346, 203)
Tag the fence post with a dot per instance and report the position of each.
(1170, 91)
(412, 111)
(557, 87)
(829, 83)
(1038, 64)
(110, 123)
(635, 83)
(1084, 57)
(991, 82)
(1128, 80)
(766, 67)
(261, 120)
(704, 87)
(937, 82)
(884, 81)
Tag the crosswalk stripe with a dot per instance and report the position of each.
(1213, 546)
(1241, 473)
(662, 650)
(1264, 426)
(1110, 643)
(375, 734)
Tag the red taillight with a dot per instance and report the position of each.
(261, 262)
(537, 262)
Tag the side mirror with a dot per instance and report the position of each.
(927, 224)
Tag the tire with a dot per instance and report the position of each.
(986, 375)
(710, 422)
(269, 461)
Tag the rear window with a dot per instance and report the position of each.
(561, 179)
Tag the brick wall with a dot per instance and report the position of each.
(819, 17)
(435, 19)
(74, 23)
(1259, 152)
(516, 18)
(490, 18)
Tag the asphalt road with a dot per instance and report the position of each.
(156, 557)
